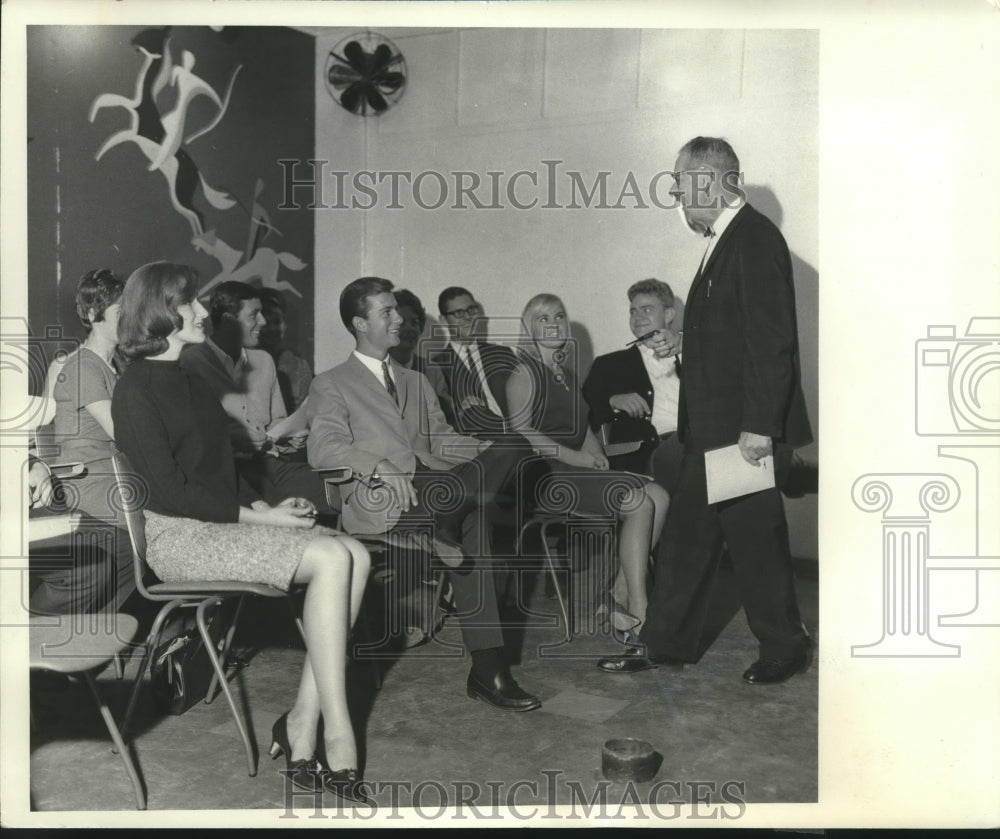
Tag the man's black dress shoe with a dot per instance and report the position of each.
(635, 661)
(501, 692)
(771, 671)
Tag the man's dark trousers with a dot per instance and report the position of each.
(457, 500)
(689, 555)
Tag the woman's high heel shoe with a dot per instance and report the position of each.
(344, 782)
(616, 617)
(302, 773)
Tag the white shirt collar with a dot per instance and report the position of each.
(374, 365)
(460, 348)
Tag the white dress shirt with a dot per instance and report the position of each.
(375, 366)
(666, 389)
(468, 354)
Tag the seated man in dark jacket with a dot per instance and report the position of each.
(476, 371)
(637, 388)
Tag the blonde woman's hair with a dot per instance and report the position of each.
(531, 309)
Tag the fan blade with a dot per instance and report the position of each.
(353, 98)
(355, 56)
(389, 82)
(381, 58)
(342, 76)
(376, 100)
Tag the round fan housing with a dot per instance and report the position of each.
(365, 74)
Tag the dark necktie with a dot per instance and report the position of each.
(390, 385)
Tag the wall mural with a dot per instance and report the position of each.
(159, 133)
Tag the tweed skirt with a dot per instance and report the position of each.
(187, 550)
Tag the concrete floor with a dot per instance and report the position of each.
(422, 740)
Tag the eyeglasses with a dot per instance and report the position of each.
(702, 171)
(462, 314)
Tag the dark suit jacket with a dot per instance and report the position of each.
(622, 371)
(353, 421)
(741, 354)
(498, 363)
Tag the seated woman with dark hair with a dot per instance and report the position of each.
(406, 352)
(84, 432)
(547, 407)
(203, 524)
(294, 373)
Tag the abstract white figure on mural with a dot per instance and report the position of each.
(159, 137)
(263, 266)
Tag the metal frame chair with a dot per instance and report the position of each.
(376, 543)
(85, 654)
(544, 521)
(200, 596)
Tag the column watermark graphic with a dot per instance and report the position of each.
(957, 394)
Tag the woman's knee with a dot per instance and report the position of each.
(325, 554)
(636, 503)
(657, 495)
(362, 558)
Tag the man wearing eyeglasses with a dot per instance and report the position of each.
(476, 371)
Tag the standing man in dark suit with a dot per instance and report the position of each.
(475, 370)
(740, 386)
(639, 387)
(411, 468)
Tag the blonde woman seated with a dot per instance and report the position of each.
(203, 524)
(547, 406)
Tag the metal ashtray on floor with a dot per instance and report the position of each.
(630, 759)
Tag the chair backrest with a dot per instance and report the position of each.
(46, 446)
(131, 495)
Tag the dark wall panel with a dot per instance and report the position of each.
(158, 87)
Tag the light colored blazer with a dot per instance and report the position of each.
(354, 422)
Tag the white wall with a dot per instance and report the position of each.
(621, 101)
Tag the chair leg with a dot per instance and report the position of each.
(147, 654)
(560, 594)
(120, 747)
(519, 542)
(119, 667)
(224, 652)
(442, 581)
(217, 666)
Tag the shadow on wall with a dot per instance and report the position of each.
(806, 302)
(584, 349)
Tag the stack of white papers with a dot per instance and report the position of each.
(728, 475)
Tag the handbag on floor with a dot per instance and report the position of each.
(181, 669)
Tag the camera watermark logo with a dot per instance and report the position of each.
(26, 363)
(957, 380)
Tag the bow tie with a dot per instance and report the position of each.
(709, 233)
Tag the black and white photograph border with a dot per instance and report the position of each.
(860, 133)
